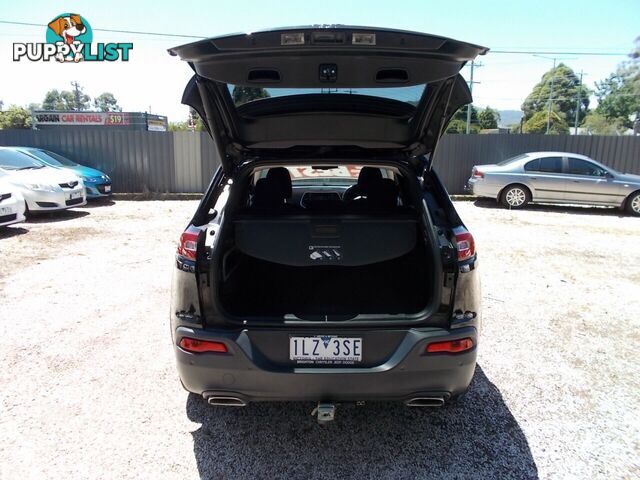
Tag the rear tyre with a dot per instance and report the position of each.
(515, 196)
(633, 204)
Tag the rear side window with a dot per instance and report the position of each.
(577, 166)
(550, 165)
(532, 166)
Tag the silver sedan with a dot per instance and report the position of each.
(555, 177)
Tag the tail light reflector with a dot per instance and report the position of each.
(200, 346)
(475, 173)
(465, 242)
(188, 243)
(450, 346)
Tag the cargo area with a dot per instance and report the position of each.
(256, 287)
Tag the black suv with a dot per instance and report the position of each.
(326, 261)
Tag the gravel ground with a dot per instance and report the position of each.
(89, 389)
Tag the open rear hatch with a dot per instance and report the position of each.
(336, 88)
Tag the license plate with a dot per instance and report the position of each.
(6, 210)
(107, 188)
(73, 195)
(326, 349)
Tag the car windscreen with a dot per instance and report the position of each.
(13, 160)
(53, 158)
(410, 94)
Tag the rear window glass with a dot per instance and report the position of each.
(512, 159)
(338, 175)
(410, 94)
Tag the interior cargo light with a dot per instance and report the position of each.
(292, 38)
(363, 39)
(450, 346)
(200, 346)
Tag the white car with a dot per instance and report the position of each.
(43, 188)
(11, 204)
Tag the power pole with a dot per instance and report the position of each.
(76, 86)
(471, 82)
(553, 76)
(575, 128)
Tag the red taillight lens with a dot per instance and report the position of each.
(465, 242)
(189, 243)
(475, 173)
(199, 346)
(451, 346)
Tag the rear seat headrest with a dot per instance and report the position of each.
(267, 194)
(280, 177)
(368, 178)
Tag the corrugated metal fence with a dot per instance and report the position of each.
(180, 162)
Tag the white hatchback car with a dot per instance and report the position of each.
(11, 204)
(43, 188)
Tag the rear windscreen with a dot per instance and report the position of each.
(411, 94)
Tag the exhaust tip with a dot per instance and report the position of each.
(425, 402)
(226, 401)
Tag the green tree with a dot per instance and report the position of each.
(15, 117)
(178, 126)
(53, 101)
(106, 102)
(65, 100)
(488, 118)
(538, 123)
(242, 95)
(566, 87)
(598, 124)
(458, 123)
(619, 94)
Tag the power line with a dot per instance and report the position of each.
(201, 37)
(131, 32)
(550, 52)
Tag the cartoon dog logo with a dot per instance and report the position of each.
(68, 28)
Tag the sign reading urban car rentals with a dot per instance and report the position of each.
(81, 118)
(69, 38)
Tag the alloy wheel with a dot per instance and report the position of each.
(516, 197)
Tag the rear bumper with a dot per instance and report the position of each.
(481, 187)
(244, 372)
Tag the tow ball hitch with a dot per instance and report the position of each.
(325, 412)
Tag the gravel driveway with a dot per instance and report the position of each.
(89, 389)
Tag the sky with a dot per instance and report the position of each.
(154, 81)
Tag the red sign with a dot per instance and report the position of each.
(82, 118)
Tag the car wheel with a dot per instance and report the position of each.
(633, 204)
(515, 196)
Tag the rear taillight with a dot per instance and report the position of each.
(475, 173)
(188, 243)
(201, 346)
(451, 346)
(465, 243)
